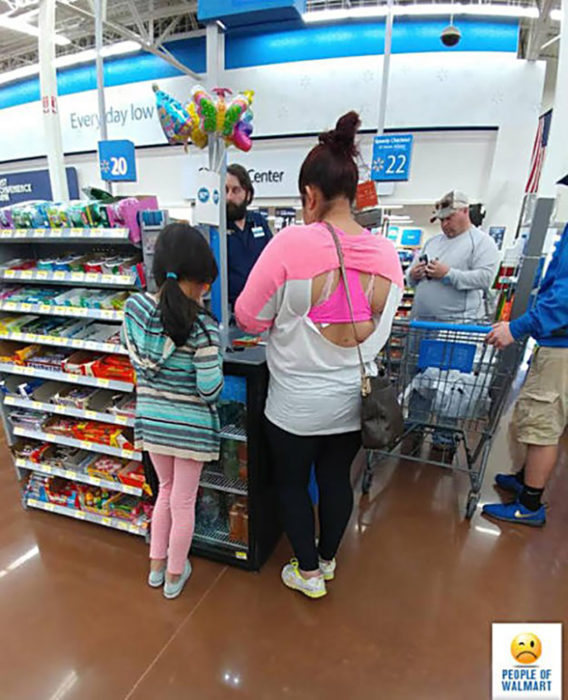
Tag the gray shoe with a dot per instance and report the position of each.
(156, 578)
(172, 590)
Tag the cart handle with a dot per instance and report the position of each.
(459, 327)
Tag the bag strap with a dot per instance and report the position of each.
(348, 293)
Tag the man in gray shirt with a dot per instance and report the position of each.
(456, 268)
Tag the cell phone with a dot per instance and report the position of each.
(423, 259)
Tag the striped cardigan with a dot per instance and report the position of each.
(176, 388)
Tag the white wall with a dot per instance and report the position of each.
(426, 90)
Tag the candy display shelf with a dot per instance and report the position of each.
(74, 475)
(65, 235)
(74, 442)
(115, 523)
(72, 311)
(62, 342)
(68, 411)
(60, 376)
(71, 278)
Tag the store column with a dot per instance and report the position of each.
(48, 86)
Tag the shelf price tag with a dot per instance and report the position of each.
(133, 529)
(47, 469)
(122, 526)
(50, 507)
(10, 273)
(32, 502)
(107, 522)
(128, 454)
(241, 555)
(78, 276)
(80, 515)
(55, 234)
(59, 275)
(86, 445)
(36, 404)
(91, 415)
(39, 233)
(103, 382)
(91, 277)
(72, 378)
(109, 278)
(76, 232)
(40, 274)
(20, 462)
(20, 233)
(121, 419)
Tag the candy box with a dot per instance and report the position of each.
(80, 362)
(132, 474)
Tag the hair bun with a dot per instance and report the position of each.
(342, 138)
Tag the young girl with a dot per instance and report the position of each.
(173, 344)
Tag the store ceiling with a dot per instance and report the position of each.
(156, 21)
(152, 21)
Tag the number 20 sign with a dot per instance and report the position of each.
(391, 158)
(117, 160)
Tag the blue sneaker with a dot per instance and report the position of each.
(516, 513)
(509, 482)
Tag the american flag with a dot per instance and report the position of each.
(538, 152)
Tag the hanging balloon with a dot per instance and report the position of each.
(174, 118)
(205, 108)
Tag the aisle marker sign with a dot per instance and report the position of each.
(391, 158)
(117, 160)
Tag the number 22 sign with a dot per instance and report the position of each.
(391, 158)
(117, 160)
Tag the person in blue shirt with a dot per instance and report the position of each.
(248, 233)
(541, 411)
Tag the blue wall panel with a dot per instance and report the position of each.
(246, 48)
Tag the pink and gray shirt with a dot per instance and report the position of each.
(314, 384)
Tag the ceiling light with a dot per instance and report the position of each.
(16, 25)
(72, 59)
(424, 10)
(556, 15)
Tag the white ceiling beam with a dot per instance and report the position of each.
(136, 15)
(129, 34)
(539, 30)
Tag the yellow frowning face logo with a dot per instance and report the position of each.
(526, 648)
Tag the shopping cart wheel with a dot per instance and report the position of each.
(472, 501)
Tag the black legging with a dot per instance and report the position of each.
(292, 457)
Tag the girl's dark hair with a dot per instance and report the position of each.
(330, 165)
(184, 253)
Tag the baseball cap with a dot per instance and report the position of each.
(451, 202)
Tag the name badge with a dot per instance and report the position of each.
(258, 232)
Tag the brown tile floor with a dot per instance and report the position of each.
(408, 616)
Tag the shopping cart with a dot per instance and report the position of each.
(452, 387)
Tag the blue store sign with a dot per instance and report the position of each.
(391, 158)
(117, 160)
(29, 185)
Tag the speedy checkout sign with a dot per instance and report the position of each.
(527, 661)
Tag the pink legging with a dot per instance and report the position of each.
(173, 519)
